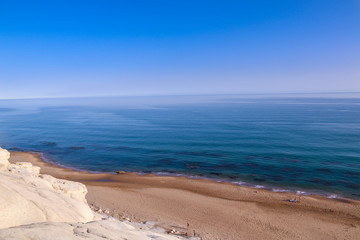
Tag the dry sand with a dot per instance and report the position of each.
(214, 210)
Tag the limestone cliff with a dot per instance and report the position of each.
(41, 207)
(29, 197)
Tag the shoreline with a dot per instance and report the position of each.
(276, 189)
(40, 206)
(244, 213)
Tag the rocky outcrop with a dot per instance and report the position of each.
(24, 168)
(4, 157)
(98, 230)
(41, 207)
(29, 197)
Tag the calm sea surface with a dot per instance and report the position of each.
(283, 143)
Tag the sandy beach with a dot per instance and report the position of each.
(213, 210)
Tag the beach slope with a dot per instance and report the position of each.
(213, 210)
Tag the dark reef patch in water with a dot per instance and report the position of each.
(125, 148)
(259, 179)
(352, 173)
(292, 169)
(322, 181)
(323, 170)
(353, 186)
(166, 161)
(49, 144)
(295, 175)
(277, 178)
(268, 167)
(216, 173)
(232, 177)
(227, 166)
(332, 163)
(290, 160)
(76, 148)
(194, 165)
(200, 154)
(250, 164)
(159, 151)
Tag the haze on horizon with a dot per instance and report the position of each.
(116, 48)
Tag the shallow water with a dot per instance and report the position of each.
(303, 143)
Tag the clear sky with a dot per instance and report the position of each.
(102, 48)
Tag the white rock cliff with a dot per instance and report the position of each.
(26, 196)
(41, 207)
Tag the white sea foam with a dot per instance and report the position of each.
(279, 190)
(332, 196)
(241, 183)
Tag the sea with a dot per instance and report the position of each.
(304, 143)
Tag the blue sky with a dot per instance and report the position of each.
(107, 48)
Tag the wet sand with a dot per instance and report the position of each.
(214, 210)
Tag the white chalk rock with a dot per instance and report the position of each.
(25, 199)
(97, 230)
(4, 159)
(24, 168)
(74, 189)
(29, 197)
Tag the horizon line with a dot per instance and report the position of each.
(177, 95)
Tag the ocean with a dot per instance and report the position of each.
(295, 143)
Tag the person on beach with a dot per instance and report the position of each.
(296, 199)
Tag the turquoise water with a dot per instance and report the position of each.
(283, 143)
